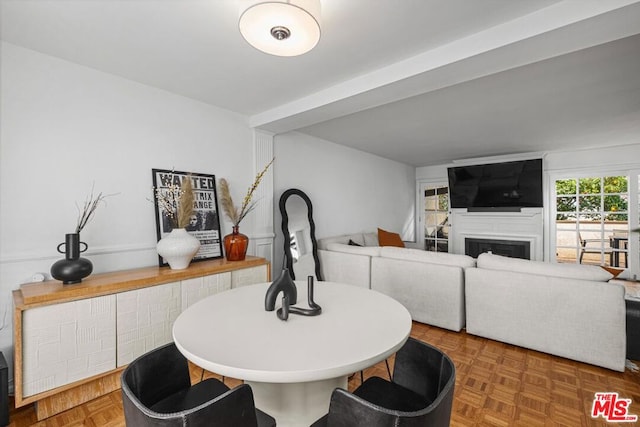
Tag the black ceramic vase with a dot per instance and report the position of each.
(73, 268)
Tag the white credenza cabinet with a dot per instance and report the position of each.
(72, 341)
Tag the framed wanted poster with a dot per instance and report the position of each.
(204, 223)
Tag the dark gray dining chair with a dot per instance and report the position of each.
(420, 393)
(157, 391)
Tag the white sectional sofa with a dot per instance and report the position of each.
(568, 310)
(430, 285)
(344, 263)
(563, 309)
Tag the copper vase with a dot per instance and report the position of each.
(235, 245)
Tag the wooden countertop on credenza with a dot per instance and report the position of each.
(53, 291)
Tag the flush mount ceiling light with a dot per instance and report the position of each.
(282, 28)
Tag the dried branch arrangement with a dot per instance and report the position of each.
(89, 208)
(176, 202)
(185, 204)
(248, 204)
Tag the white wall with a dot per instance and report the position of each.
(351, 191)
(65, 127)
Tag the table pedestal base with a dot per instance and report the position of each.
(297, 404)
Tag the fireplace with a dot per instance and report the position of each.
(510, 248)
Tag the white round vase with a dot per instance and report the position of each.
(178, 248)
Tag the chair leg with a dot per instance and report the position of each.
(202, 376)
(386, 362)
(626, 260)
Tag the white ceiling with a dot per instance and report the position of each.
(422, 82)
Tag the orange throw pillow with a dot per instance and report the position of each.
(385, 238)
(614, 271)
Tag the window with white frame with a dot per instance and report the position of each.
(436, 218)
(592, 220)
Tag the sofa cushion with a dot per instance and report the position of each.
(370, 239)
(344, 239)
(418, 255)
(568, 271)
(357, 250)
(386, 238)
(362, 239)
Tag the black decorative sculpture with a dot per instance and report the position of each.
(299, 230)
(285, 284)
(283, 313)
(313, 310)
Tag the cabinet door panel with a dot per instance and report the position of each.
(66, 342)
(249, 276)
(193, 290)
(145, 318)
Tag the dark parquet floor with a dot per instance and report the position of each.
(496, 385)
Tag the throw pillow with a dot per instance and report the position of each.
(615, 271)
(352, 243)
(386, 238)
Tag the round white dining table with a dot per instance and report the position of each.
(292, 366)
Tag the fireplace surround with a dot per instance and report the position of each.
(524, 226)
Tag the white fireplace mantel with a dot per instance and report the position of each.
(526, 225)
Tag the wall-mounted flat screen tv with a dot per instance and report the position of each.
(497, 185)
